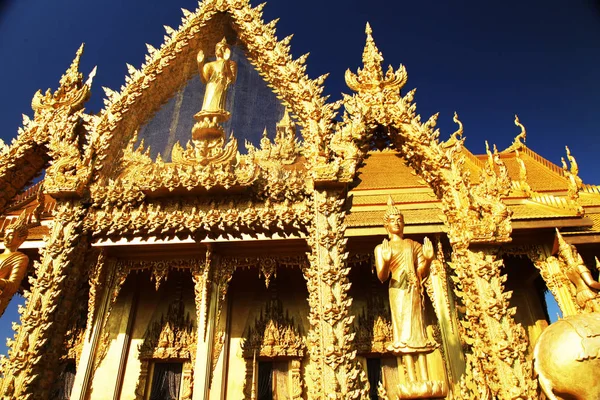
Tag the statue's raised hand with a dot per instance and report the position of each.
(200, 57)
(427, 249)
(386, 250)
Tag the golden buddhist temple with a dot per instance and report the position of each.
(219, 230)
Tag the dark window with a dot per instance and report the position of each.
(265, 381)
(374, 374)
(66, 381)
(166, 381)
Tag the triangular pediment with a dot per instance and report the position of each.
(171, 71)
(252, 105)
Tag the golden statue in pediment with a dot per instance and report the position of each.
(218, 75)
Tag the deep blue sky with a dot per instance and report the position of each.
(487, 60)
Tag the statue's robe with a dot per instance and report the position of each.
(218, 75)
(406, 299)
(12, 271)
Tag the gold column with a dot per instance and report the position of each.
(204, 341)
(211, 283)
(446, 314)
(85, 369)
(34, 355)
(333, 371)
(498, 344)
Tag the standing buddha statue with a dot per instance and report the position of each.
(407, 263)
(13, 263)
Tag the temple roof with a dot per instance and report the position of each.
(385, 173)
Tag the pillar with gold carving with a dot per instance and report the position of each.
(34, 354)
(333, 371)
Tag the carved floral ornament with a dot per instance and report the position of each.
(274, 334)
(170, 337)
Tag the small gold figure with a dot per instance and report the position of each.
(218, 75)
(408, 264)
(13, 263)
(586, 288)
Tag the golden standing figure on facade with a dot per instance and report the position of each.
(407, 262)
(218, 75)
(13, 263)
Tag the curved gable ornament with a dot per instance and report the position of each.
(378, 104)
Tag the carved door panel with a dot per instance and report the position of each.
(281, 378)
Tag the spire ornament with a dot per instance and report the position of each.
(370, 82)
(519, 140)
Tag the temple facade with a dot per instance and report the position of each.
(219, 230)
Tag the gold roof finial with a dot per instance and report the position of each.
(519, 140)
(72, 76)
(391, 210)
(457, 136)
(371, 77)
(285, 119)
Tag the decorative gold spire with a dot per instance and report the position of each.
(72, 76)
(371, 77)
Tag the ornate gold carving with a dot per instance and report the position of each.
(572, 175)
(199, 218)
(519, 141)
(201, 277)
(55, 133)
(71, 167)
(221, 277)
(498, 344)
(373, 327)
(42, 327)
(333, 368)
(202, 164)
(303, 96)
(274, 334)
(117, 277)
(587, 289)
(378, 102)
(171, 337)
(285, 149)
(473, 213)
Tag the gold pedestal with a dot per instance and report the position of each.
(422, 390)
(208, 125)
